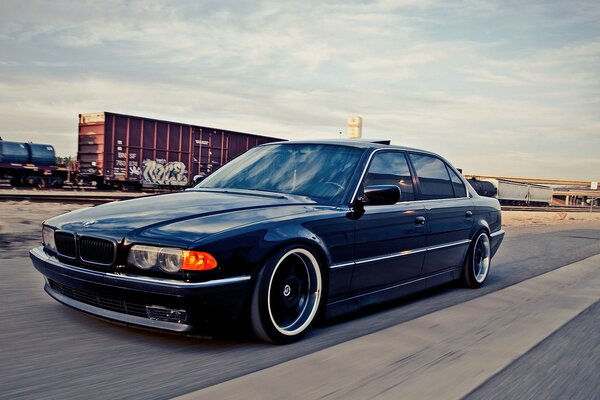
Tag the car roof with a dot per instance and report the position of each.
(360, 143)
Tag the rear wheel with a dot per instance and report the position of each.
(477, 263)
(287, 296)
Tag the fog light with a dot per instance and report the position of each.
(160, 313)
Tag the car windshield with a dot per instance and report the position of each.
(320, 171)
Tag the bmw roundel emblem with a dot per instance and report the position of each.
(89, 223)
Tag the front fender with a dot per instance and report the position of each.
(301, 235)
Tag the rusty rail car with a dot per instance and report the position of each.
(127, 152)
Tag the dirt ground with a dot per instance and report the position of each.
(524, 218)
(20, 222)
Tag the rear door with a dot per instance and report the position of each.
(390, 239)
(449, 212)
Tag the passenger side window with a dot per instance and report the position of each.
(433, 177)
(391, 168)
(459, 187)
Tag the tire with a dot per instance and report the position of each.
(478, 261)
(287, 296)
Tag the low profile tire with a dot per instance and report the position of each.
(478, 261)
(287, 296)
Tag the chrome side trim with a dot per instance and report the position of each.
(362, 176)
(497, 233)
(401, 254)
(393, 255)
(348, 264)
(444, 199)
(39, 253)
(407, 154)
(452, 244)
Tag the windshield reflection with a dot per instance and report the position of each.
(320, 171)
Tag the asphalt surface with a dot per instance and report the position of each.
(50, 351)
(442, 355)
(563, 366)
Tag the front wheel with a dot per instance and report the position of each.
(287, 296)
(477, 263)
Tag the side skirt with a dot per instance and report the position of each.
(356, 302)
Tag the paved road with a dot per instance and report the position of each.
(442, 355)
(52, 352)
(564, 366)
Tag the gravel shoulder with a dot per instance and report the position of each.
(526, 218)
(20, 224)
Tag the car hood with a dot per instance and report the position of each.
(180, 218)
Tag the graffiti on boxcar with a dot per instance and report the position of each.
(134, 169)
(161, 172)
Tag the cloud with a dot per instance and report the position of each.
(487, 76)
(486, 83)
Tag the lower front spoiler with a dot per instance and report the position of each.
(117, 316)
(137, 300)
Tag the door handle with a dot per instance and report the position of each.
(420, 220)
(469, 214)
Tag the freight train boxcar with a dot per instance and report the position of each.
(128, 152)
(517, 193)
(540, 195)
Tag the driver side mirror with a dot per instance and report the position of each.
(381, 195)
(376, 195)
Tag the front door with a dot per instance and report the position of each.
(390, 239)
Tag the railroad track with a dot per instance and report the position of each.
(99, 197)
(67, 196)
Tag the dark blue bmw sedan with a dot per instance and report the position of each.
(281, 235)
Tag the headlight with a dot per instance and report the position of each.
(48, 238)
(169, 259)
(143, 257)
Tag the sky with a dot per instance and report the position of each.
(496, 87)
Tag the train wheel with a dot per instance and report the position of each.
(55, 183)
(33, 181)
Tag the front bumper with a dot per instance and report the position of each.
(156, 303)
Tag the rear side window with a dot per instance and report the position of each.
(433, 177)
(391, 168)
(459, 187)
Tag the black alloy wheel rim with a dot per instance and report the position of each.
(290, 291)
(481, 258)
